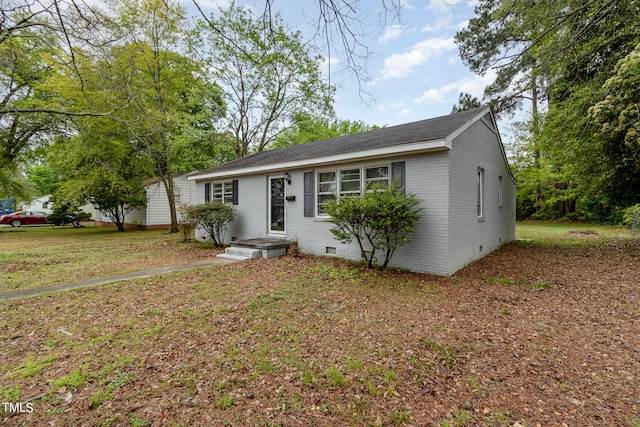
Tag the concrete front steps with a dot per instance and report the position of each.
(241, 250)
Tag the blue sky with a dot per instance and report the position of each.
(414, 68)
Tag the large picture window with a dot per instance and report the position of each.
(349, 182)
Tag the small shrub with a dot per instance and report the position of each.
(212, 217)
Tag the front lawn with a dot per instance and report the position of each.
(46, 255)
(534, 334)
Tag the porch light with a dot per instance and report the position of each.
(287, 178)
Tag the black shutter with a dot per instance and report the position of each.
(397, 172)
(308, 194)
(234, 197)
(207, 192)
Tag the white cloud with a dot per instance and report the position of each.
(462, 25)
(211, 4)
(404, 4)
(449, 93)
(405, 112)
(327, 65)
(431, 96)
(392, 32)
(442, 6)
(402, 64)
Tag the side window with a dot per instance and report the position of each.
(500, 196)
(223, 191)
(480, 193)
(207, 192)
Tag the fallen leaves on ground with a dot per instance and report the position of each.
(529, 335)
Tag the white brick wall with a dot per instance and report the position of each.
(478, 148)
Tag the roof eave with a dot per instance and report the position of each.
(389, 151)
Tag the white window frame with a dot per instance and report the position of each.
(338, 175)
(375, 180)
(343, 180)
(223, 193)
(480, 193)
(325, 193)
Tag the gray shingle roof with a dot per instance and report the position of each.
(424, 130)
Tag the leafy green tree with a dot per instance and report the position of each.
(173, 107)
(309, 128)
(548, 52)
(155, 27)
(618, 116)
(466, 102)
(23, 69)
(379, 220)
(114, 195)
(43, 178)
(99, 166)
(39, 41)
(197, 143)
(212, 218)
(267, 75)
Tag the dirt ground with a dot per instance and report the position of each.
(527, 336)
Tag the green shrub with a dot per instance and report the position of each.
(212, 217)
(379, 220)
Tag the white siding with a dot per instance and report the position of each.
(157, 210)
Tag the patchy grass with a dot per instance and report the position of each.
(566, 234)
(320, 341)
(44, 256)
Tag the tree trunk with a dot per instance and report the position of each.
(536, 137)
(171, 198)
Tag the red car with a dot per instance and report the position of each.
(24, 218)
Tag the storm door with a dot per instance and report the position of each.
(276, 205)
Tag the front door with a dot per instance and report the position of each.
(276, 205)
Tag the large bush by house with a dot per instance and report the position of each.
(381, 220)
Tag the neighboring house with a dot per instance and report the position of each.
(156, 214)
(455, 164)
(41, 203)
